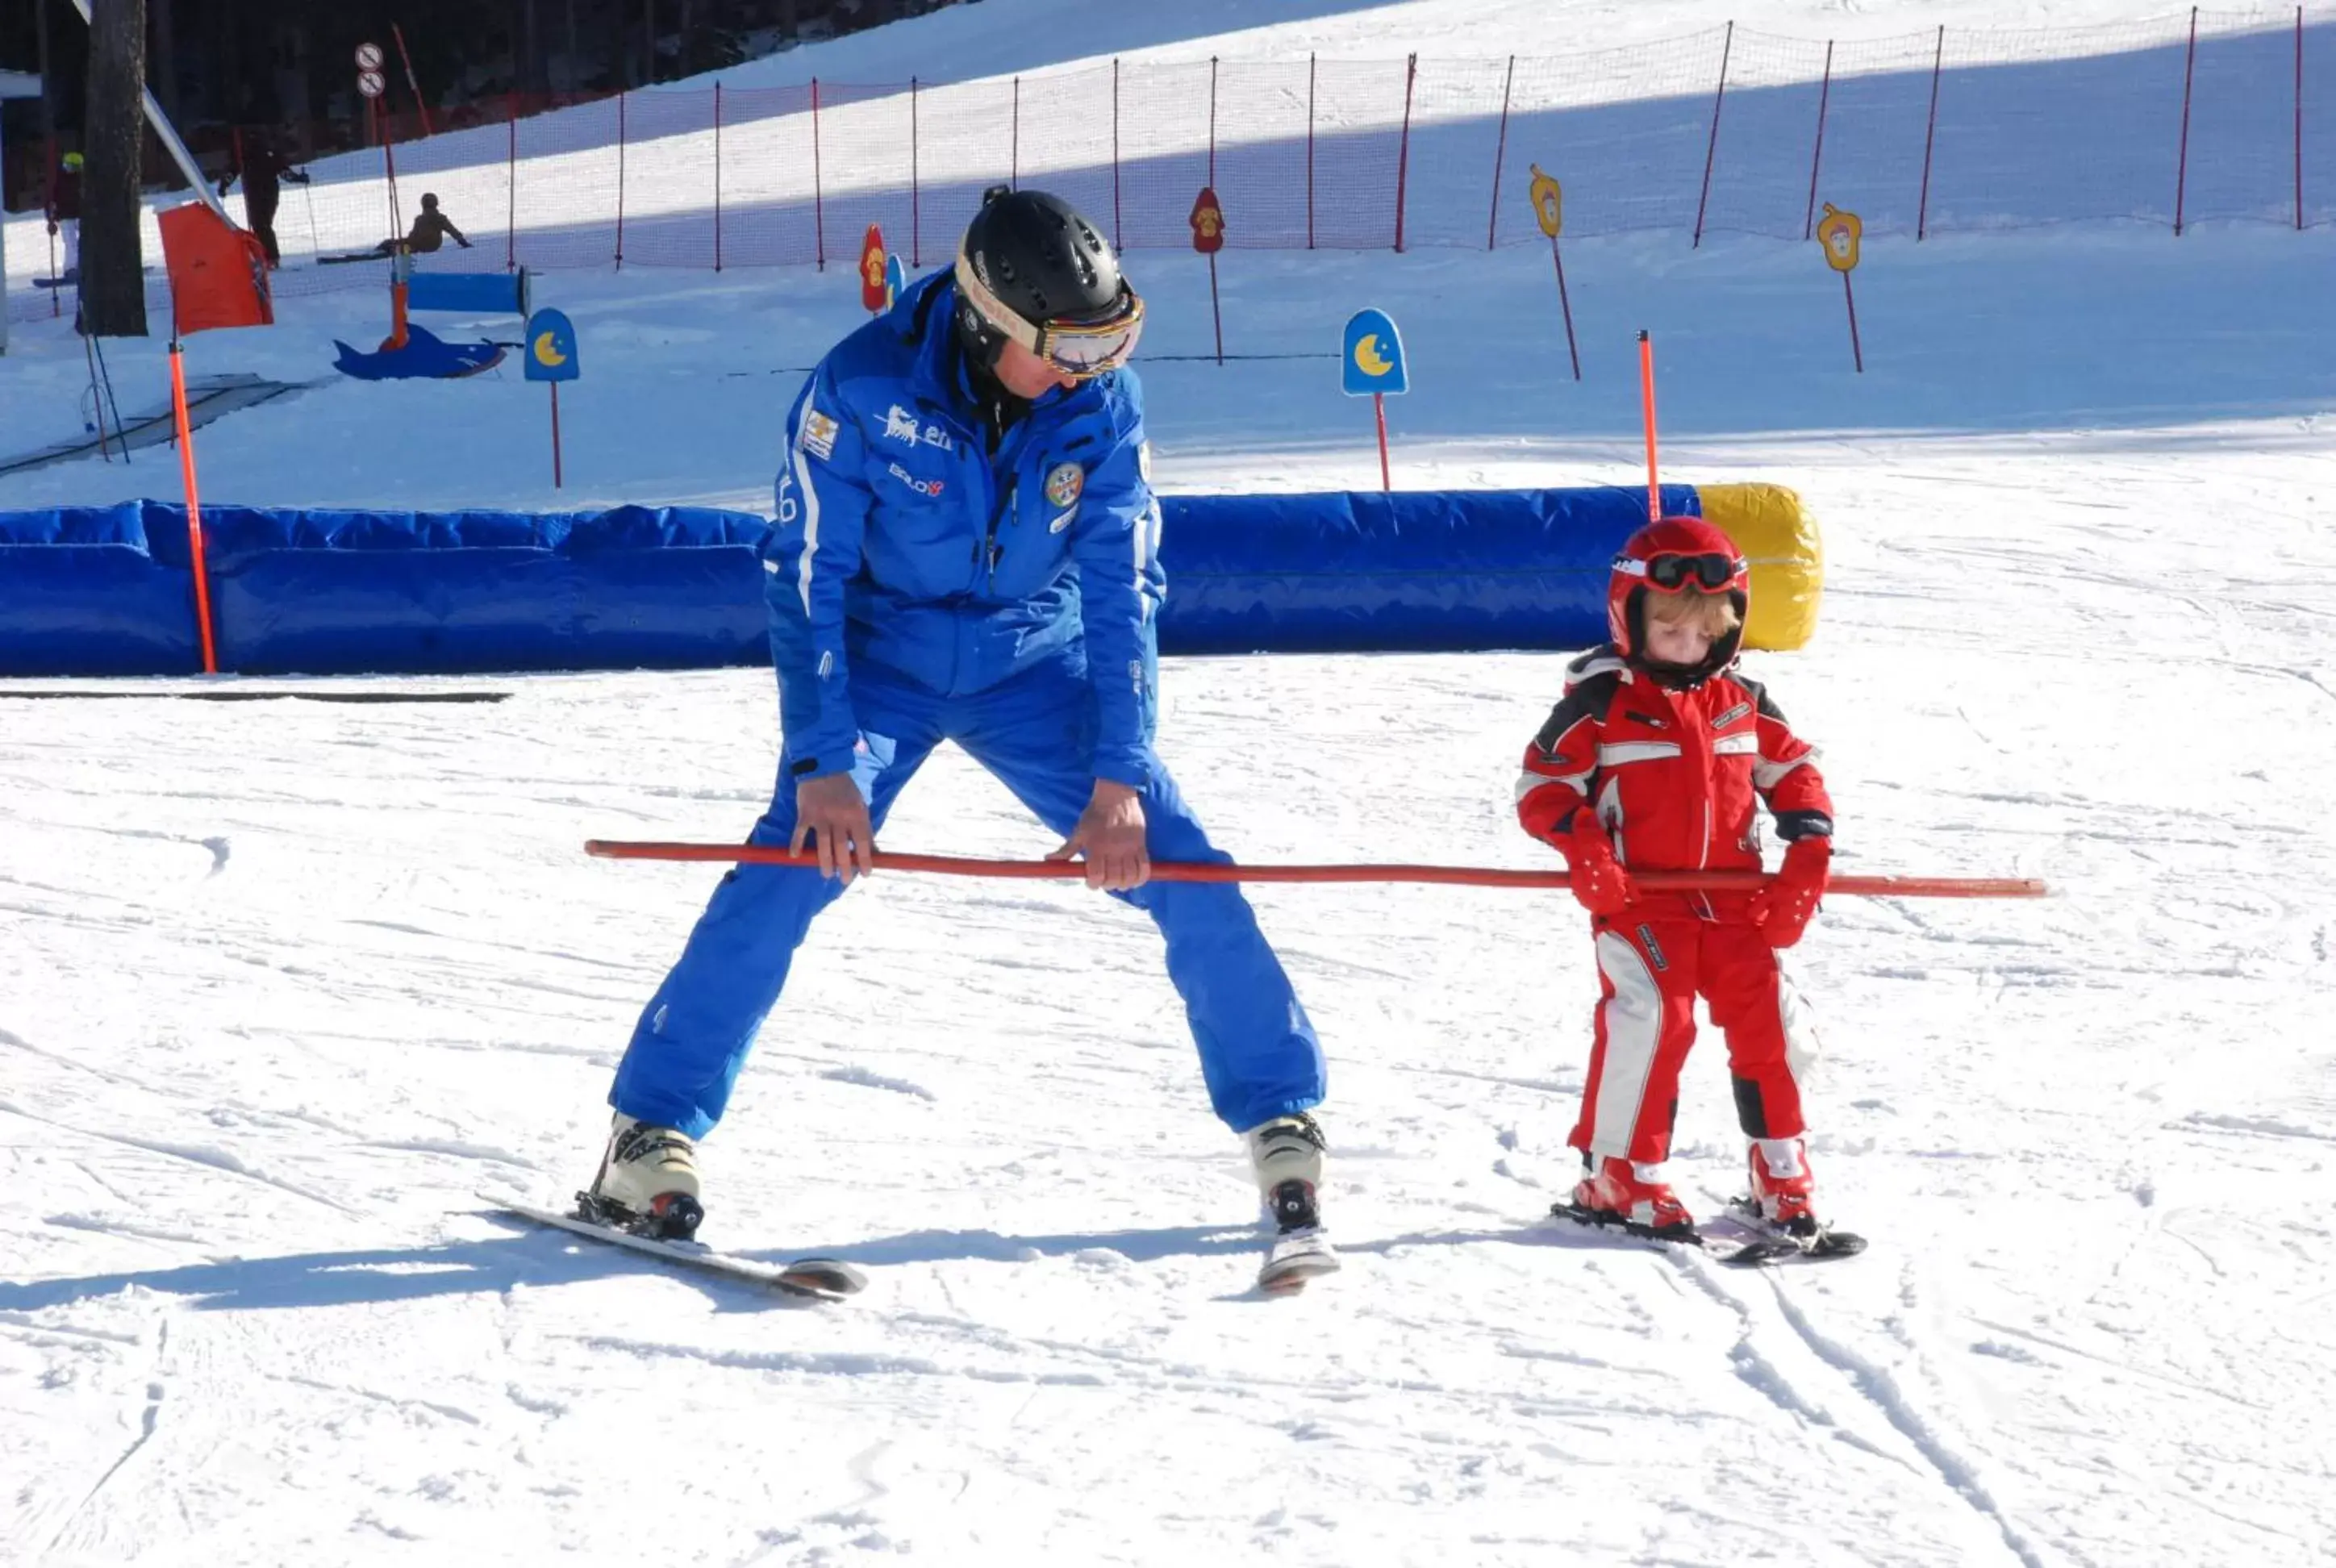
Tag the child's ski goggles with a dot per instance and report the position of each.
(1675, 573)
(1081, 347)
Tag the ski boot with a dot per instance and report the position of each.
(1784, 1192)
(1784, 1201)
(1286, 1153)
(1635, 1198)
(647, 1183)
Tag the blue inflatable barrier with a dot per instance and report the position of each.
(479, 293)
(109, 590)
(1412, 571)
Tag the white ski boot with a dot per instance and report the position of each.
(1287, 1155)
(647, 1183)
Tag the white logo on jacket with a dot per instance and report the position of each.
(901, 425)
(921, 486)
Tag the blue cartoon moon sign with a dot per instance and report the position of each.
(896, 276)
(551, 347)
(1373, 360)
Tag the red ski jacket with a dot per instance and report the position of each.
(1673, 774)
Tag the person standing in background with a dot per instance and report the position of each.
(262, 167)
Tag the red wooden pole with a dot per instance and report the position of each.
(1214, 871)
(1499, 152)
(620, 181)
(717, 162)
(1824, 95)
(1403, 158)
(423, 108)
(1118, 239)
(1378, 407)
(1309, 149)
(818, 186)
(1857, 353)
(916, 214)
(1647, 406)
(1565, 304)
(194, 506)
(1711, 150)
(555, 436)
(2182, 165)
(1931, 136)
(510, 212)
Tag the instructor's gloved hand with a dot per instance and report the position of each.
(1111, 835)
(830, 812)
(1600, 883)
(1783, 908)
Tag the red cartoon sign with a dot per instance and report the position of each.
(875, 295)
(1208, 222)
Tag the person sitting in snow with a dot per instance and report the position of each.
(432, 229)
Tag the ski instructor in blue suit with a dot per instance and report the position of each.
(967, 549)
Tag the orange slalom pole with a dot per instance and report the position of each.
(1647, 403)
(194, 507)
(1447, 876)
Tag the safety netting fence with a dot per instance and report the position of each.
(2197, 116)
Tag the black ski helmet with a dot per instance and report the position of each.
(1041, 259)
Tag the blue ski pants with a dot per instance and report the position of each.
(1036, 733)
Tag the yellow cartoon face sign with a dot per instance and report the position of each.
(1838, 232)
(1549, 202)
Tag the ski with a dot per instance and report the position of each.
(1737, 1241)
(806, 1279)
(1296, 1257)
(1757, 1243)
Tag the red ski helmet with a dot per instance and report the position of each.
(1676, 555)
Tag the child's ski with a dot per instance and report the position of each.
(809, 1279)
(1737, 1240)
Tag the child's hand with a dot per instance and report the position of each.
(1783, 908)
(1600, 883)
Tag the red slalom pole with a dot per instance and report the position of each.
(1443, 876)
(1378, 407)
(1647, 404)
(194, 506)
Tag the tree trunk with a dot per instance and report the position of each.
(113, 266)
(649, 39)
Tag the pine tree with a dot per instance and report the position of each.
(113, 265)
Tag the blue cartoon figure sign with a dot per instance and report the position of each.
(1373, 359)
(551, 347)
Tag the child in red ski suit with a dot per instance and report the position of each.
(1653, 761)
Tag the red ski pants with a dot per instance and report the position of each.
(1651, 970)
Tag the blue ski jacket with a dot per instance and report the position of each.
(902, 540)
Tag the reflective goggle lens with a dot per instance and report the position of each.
(1670, 573)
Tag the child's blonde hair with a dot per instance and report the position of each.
(1712, 614)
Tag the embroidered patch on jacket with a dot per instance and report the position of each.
(818, 433)
(1731, 715)
(921, 486)
(1065, 484)
(1062, 521)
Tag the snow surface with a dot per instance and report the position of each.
(292, 990)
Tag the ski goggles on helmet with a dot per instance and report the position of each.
(1675, 573)
(1083, 346)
